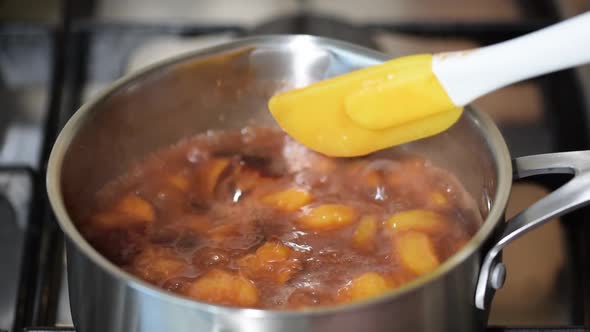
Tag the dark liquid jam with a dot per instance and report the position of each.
(251, 218)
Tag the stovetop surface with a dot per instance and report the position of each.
(490, 329)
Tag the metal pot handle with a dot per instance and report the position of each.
(573, 194)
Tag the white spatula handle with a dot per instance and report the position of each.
(467, 75)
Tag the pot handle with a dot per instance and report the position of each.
(574, 194)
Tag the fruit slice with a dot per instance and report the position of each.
(327, 217)
(366, 285)
(288, 200)
(416, 252)
(131, 210)
(220, 287)
(364, 235)
(271, 261)
(417, 220)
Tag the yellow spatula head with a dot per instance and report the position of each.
(367, 110)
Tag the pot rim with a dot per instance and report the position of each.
(492, 136)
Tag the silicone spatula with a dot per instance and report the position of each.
(417, 96)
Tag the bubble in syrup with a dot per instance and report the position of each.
(248, 135)
(237, 195)
(380, 194)
(292, 236)
(300, 179)
(191, 272)
(448, 189)
(298, 247)
(195, 155)
(381, 165)
(215, 259)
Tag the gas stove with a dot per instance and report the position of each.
(48, 69)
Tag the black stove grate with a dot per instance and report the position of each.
(490, 329)
(73, 36)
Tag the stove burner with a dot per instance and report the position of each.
(74, 70)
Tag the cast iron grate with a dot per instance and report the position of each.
(73, 38)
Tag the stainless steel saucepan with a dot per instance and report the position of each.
(228, 87)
